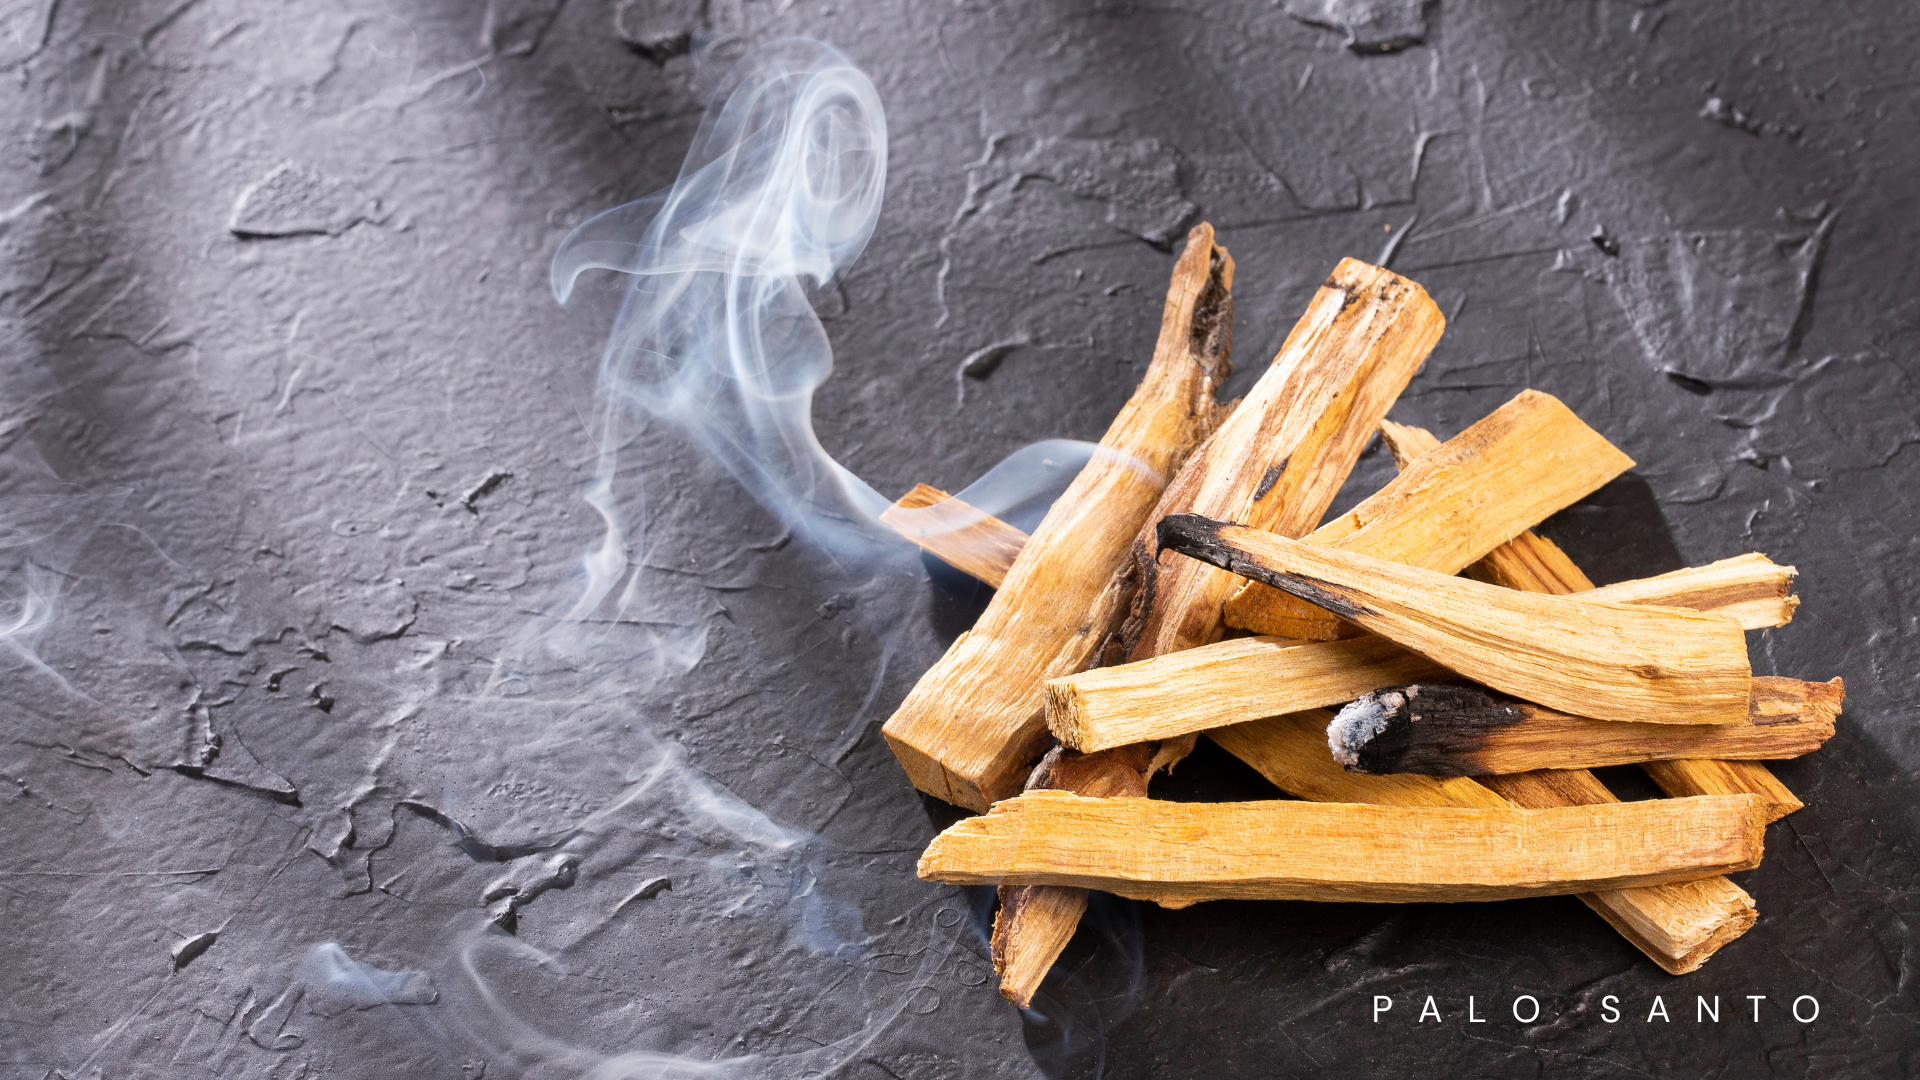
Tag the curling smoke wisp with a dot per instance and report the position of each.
(717, 337)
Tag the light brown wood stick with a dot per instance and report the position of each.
(1034, 922)
(1177, 854)
(1455, 729)
(1701, 776)
(1452, 505)
(1242, 679)
(964, 538)
(1279, 460)
(1527, 558)
(1749, 588)
(1227, 682)
(971, 726)
(1277, 463)
(1731, 587)
(1610, 661)
(1678, 926)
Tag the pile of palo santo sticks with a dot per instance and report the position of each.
(1184, 584)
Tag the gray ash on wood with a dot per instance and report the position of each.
(1431, 728)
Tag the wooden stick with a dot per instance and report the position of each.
(1277, 463)
(1694, 776)
(1246, 678)
(1180, 853)
(972, 724)
(1678, 926)
(1279, 460)
(1452, 729)
(1227, 682)
(1034, 922)
(1609, 661)
(1749, 588)
(964, 538)
(1452, 505)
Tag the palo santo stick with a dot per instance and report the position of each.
(1606, 660)
(1678, 926)
(1451, 505)
(1528, 562)
(964, 538)
(1694, 776)
(1277, 463)
(1747, 588)
(1460, 730)
(1180, 853)
(1750, 588)
(1034, 922)
(1227, 682)
(972, 724)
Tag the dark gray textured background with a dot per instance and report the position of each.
(243, 464)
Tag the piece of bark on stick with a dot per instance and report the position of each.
(971, 726)
(1177, 854)
(969, 540)
(1452, 505)
(1456, 729)
(1609, 661)
(1678, 926)
(1279, 460)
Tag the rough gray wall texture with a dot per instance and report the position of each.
(292, 438)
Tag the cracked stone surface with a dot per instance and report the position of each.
(293, 440)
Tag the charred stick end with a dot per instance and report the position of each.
(1435, 729)
(1199, 537)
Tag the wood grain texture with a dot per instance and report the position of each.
(1176, 854)
(1461, 730)
(969, 540)
(1452, 505)
(972, 725)
(1750, 589)
(1610, 661)
(1280, 459)
(1695, 776)
(1678, 926)
(1227, 682)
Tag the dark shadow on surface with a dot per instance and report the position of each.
(1210, 774)
(956, 600)
(1617, 533)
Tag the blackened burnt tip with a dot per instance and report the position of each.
(1194, 536)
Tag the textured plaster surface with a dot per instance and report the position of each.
(292, 438)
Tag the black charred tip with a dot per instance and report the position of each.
(1195, 536)
(1437, 729)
